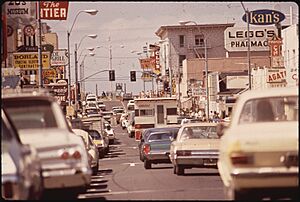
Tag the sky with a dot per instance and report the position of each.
(130, 25)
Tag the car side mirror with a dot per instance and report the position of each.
(221, 128)
(26, 149)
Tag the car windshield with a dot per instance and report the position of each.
(199, 132)
(273, 109)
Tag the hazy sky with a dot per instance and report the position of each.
(133, 24)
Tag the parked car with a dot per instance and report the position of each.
(90, 147)
(101, 141)
(170, 129)
(41, 123)
(155, 144)
(259, 149)
(196, 145)
(21, 171)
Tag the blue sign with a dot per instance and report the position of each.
(264, 17)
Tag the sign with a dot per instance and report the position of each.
(59, 58)
(275, 46)
(59, 90)
(30, 60)
(233, 82)
(54, 10)
(20, 9)
(276, 75)
(277, 62)
(148, 63)
(45, 48)
(49, 73)
(236, 38)
(29, 30)
(264, 17)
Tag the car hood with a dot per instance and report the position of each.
(265, 136)
(199, 144)
(41, 138)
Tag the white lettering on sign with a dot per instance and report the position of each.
(54, 12)
(236, 39)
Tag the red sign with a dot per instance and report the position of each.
(54, 10)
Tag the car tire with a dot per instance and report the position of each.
(141, 157)
(147, 164)
(179, 170)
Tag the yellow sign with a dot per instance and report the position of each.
(49, 73)
(30, 60)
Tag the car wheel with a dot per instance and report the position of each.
(179, 170)
(141, 157)
(95, 169)
(147, 164)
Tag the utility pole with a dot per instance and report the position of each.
(206, 75)
(76, 81)
(40, 45)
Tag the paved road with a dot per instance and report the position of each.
(121, 175)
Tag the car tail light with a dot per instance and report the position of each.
(76, 155)
(146, 148)
(65, 155)
(183, 153)
(7, 190)
(138, 135)
(137, 126)
(241, 158)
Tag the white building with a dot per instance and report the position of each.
(290, 51)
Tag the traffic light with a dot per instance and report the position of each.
(112, 75)
(132, 76)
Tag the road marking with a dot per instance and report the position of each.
(131, 164)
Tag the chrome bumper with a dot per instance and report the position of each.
(197, 160)
(64, 178)
(159, 155)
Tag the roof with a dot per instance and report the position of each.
(163, 28)
(231, 92)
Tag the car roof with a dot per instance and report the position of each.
(199, 124)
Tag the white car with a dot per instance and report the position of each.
(111, 133)
(41, 123)
(259, 149)
(90, 147)
(196, 145)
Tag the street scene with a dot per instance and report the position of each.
(149, 100)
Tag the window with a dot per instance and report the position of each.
(181, 58)
(181, 40)
(199, 40)
(146, 112)
(171, 111)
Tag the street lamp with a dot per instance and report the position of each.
(82, 67)
(93, 36)
(91, 12)
(206, 68)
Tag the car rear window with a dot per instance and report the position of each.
(95, 135)
(31, 114)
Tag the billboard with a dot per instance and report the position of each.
(20, 9)
(30, 60)
(236, 38)
(264, 17)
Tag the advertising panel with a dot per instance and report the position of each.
(20, 9)
(264, 17)
(233, 82)
(236, 38)
(54, 10)
(29, 60)
(59, 58)
(148, 63)
(276, 75)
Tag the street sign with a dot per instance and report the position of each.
(24, 60)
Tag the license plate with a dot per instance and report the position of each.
(210, 161)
